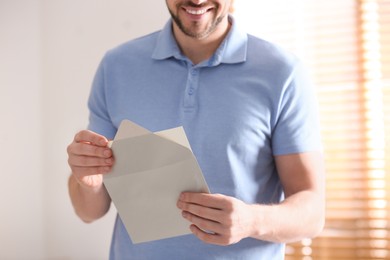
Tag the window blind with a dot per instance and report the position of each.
(346, 45)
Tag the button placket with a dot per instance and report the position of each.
(191, 88)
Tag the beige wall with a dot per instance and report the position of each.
(21, 183)
(49, 51)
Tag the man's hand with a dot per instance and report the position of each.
(217, 219)
(223, 220)
(89, 158)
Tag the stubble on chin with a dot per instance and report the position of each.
(193, 31)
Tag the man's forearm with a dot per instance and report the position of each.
(89, 204)
(300, 216)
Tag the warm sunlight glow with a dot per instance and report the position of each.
(377, 194)
(377, 174)
(378, 204)
(380, 254)
(346, 45)
(306, 249)
(376, 154)
(378, 223)
(267, 14)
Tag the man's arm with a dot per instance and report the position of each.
(300, 215)
(89, 158)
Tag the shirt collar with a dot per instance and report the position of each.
(233, 49)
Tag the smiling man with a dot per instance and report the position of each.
(250, 115)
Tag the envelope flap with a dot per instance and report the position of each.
(145, 152)
(129, 129)
(176, 135)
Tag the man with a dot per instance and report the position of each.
(250, 116)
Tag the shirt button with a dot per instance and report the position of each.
(190, 91)
(194, 72)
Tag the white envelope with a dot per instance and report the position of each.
(150, 172)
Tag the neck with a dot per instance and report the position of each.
(198, 50)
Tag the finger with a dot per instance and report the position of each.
(213, 238)
(89, 150)
(87, 136)
(216, 201)
(207, 237)
(80, 172)
(201, 211)
(207, 225)
(88, 161)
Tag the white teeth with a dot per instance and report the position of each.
(196, 12)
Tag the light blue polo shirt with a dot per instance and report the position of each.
(249, 102)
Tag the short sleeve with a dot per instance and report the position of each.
(99, 118)
(297, 127)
